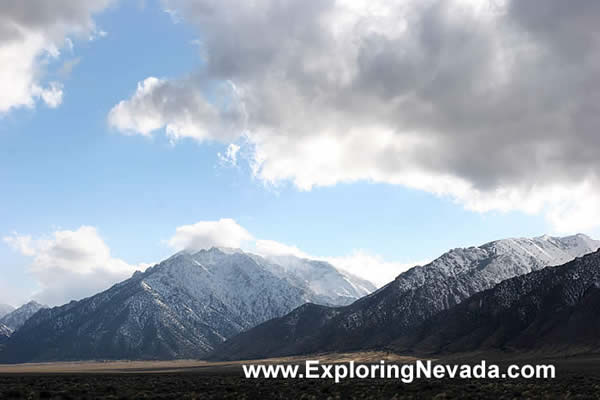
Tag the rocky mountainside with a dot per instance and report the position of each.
(180, 308)
(5, 309)
(5, 333)
(331, 285)
(295, 333)
(553, 310)
(15, 319)
(405, 303)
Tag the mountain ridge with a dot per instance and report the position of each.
(414, 296)
(553, 310)
(16, 318)
(180, 308)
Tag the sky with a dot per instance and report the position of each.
(372, 134)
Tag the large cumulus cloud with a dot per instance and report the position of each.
(33, 32)
(71, 264)
(492, 103)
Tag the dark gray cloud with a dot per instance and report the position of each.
(493, 103)
(44, 16)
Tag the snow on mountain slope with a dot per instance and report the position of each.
(231, 282)
(553, 310)
(411, 298)
(477, 268)
(5, 332)
(329, 284)
(424, 291)
(15, 319)
(182, 307)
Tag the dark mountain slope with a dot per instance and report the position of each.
(16, 318)
(294, 333)
(556, 309)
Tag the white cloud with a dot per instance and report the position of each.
(52, 95)
(181, 110)
(360, 263)
(228, 233)
(22, 244)
(97, 34)
(70, 265)
(31, 35)
(486, 103)
(130, 117)
(18, 86)
(230, 156)
(371, 266)
(274, 248)
(69, 44)
(206, 234)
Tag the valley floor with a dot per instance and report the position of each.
(577, 377)
(176, 366)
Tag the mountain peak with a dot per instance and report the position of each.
(552, 310)
(228, 250)
(543, 250)
(15, 319)
(217, 249)
(180, 308)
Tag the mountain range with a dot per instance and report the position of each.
(229, 304)
(16, 318)
(5, 333)
(180, 308)
(13, 318)
(397, 309)
(554, 310)
(331, 285)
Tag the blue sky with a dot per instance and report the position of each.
(66, 167)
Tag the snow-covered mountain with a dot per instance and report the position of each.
(182, 307)
(5, 309)
(5, 333)
(554, 310)
(329, 284)
(15, 319)
(413, 297)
